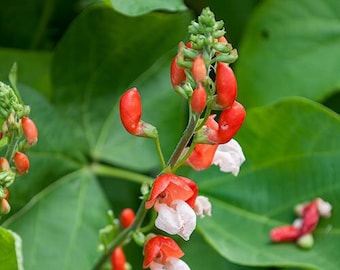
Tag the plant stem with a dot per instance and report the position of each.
(187, 134)
(141, 213)
(105, 170)
(159, 151)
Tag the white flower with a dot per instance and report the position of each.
(229, 157)
(202, 206)
(171, 263)
(179, 218)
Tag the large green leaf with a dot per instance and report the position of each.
(290, 48)
(98, 59)
(59, 227)
(293, 154)
(135, 7)
(10, 249)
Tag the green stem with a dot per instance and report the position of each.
(13, 141)
(187, 134)
(105, 170)
(159, 151)
(141, 213)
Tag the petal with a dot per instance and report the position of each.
(229, 157)
(202, 206)
(156, 266)
(178, 219)
(175, 264)
(202, 156)
(324, 207)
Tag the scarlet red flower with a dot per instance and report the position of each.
(127, 217)
(160, 251)
(118, 259)
(21, 162)
(198, 99)
(226, 85)
(174, 197)
(30, 130)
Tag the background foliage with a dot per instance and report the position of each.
(75, 59)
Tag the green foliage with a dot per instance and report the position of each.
(286, 49)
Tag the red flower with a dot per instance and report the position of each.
(160, 251)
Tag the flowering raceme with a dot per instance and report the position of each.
(174, 198)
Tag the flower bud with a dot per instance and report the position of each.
(131, 110)
(118, 259)
(198, 99)
(226, 85)
(305, 241)
(230, 122)
(4, 207)
(4, 165)
(177, 74)
(127, 217)
(199, 72)
(30, 130)
(21, 162)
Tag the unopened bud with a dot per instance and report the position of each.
(199, 71)
(305, 241)
(4, 207)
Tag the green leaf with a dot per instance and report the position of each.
(33, 68)
(95, 52)
(59, 227)
(290, 48)
(135, 7)
(10, 250)
(298, 163)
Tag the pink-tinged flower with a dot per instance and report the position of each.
(325, 208)
(202, 206)
(173, 197)
(161, 252)
(285, 233)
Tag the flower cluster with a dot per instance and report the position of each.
(201, 73)
(18, 134)
(301, 230)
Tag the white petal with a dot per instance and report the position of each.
(179, 219)
(202, 206)
(156, 266)
(175, 264)
(229, 157)
(324, 208)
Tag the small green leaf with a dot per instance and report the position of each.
(298, 163)
(290, 48)
(10, 250)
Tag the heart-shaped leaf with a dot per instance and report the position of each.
(300, 162)
(10, 249)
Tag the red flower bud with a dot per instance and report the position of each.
(199, 72)
(177, 74)
(118, 259)
(222, 39)
(127, 217)
(21, 162)
(131, 111)
(30, 130)
(198, 99)
(286, 233)
(230, 122)
(4, 207)
(226, 85)
(6, 194)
